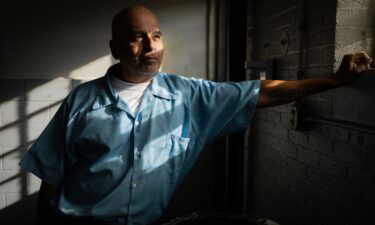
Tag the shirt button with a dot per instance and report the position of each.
(134, 185)
(136, 123)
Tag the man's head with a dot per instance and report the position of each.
(136, 41)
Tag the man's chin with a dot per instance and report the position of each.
(149, 70)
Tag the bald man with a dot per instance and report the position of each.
(120, 145)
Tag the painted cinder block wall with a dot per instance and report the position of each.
(321, 174)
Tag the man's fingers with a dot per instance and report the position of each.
(363, 57)
(358, 62)
(348, 58)
(362, 61)
(347, 62)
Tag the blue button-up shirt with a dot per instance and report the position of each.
(114, 165)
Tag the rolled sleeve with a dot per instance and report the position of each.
(45, 158)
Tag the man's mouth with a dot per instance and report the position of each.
(150, 60)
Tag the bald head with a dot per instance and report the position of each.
(131, 17)
(137, 42)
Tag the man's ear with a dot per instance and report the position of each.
(114, 49)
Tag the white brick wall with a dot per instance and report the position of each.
(26, 107)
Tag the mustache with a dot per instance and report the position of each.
(153, 55)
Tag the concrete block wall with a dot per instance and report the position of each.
(322, 174)
(26, 106)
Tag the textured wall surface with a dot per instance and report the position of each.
(70, 38)
(26, 106)
(322, 174)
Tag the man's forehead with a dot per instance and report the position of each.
(138, 27)
(135, 19)
(142, 23)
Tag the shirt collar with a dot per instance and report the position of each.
(159, 87)
(106, 95)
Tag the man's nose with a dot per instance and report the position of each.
(149, 44)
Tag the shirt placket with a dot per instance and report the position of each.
(137, 151)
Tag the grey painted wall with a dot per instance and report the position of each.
(70, 38)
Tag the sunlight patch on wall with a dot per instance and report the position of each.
(94, 69)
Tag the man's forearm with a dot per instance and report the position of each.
(278, 92)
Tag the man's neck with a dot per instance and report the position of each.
(134, 78)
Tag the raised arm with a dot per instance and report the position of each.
(278, 92)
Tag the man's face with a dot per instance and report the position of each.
(139, 46)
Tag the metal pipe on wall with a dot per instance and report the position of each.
(340, 123)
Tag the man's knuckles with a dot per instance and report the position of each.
(348, 57)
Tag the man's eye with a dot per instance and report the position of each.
(157, 35)
(137, 37)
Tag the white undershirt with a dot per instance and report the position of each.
(131, 93)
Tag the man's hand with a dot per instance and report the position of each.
(278, 92)
(351, 66)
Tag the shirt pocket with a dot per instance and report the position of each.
(176, 146)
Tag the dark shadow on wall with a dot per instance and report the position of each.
(41, 39)
(15, 185)
(20, 213)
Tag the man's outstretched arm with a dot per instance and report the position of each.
(278, 92)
